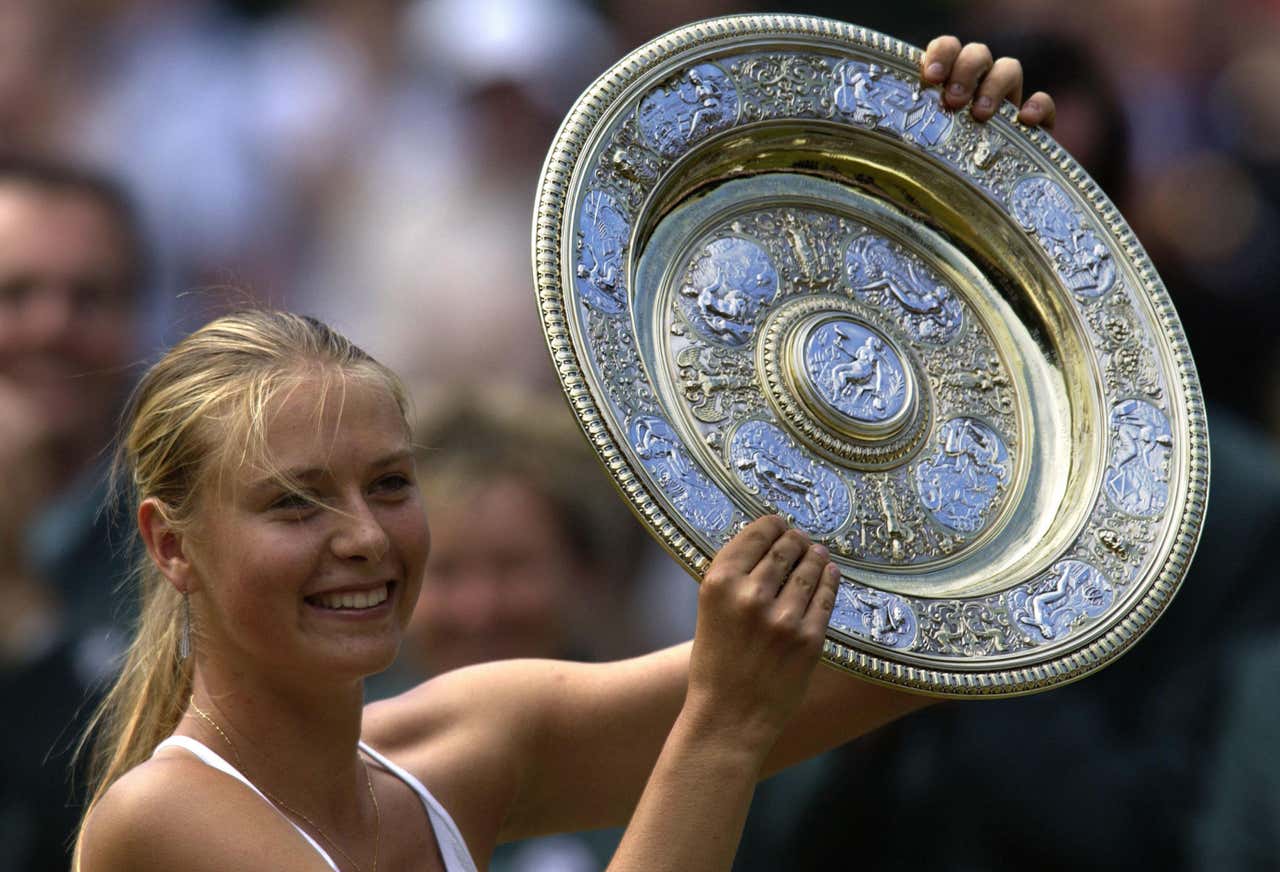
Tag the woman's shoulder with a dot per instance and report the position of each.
(175, 812)
(468, 736)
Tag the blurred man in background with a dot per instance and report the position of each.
(71, 265)
(533, 554)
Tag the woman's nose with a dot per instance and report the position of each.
(360, 536)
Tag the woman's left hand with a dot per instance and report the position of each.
(969, 74)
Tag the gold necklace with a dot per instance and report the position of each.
(377, 811)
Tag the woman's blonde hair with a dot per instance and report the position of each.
(203, 405)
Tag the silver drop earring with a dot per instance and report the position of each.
(184, 639)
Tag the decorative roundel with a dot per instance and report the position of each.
(775, 275)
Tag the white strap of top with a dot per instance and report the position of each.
(211, 758)
(453, 848)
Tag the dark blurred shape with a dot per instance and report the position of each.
(1237, 830)
(1090, 122)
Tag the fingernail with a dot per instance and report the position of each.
(984, 103)
(934, 71)
(833, 570)
(1032, 106)
(821, 551)
(957, 90)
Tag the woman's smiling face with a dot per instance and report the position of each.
(312, 562)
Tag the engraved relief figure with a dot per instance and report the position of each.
(884, 618)
(965, 477)
(602, 236)
(863, 371)
(688, 107)
(1137, 481)
(1079, 254)
(770, 465)
(875, 96)
(725, 288)
(865, 381)
(692, 494)
(1052, 608)
(881, 274)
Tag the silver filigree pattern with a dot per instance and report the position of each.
(770, 465)
(964, 479)
(960, 629)
(890, 525)
(717, 383)
(1070, 594)
(1137, 480)
(1117, 543)
(624, 380)
(787, 85)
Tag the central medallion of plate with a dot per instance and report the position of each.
(852, 375)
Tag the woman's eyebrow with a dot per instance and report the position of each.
(304, 474)
(287, 478)
(392, 459)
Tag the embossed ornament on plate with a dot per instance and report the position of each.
(775, 275)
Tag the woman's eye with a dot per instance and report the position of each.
(393, 483)
(293, 502)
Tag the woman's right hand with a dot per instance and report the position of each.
(762, 616)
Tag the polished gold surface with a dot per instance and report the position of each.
(1015, 497)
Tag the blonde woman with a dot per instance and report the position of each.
(285, 540)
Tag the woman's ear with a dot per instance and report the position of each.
(166, 545)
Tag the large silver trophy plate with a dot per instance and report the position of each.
(776, 276)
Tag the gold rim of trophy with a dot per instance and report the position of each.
(1095, 381)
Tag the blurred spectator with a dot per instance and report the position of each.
(532, 555)
(70, 265)
(165, 104)
(532, 551)
(427, 261)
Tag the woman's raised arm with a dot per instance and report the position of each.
(521, 748)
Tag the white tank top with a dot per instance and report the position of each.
(453, 849)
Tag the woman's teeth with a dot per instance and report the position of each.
(360, 599)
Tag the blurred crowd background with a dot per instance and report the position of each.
(374, 163)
